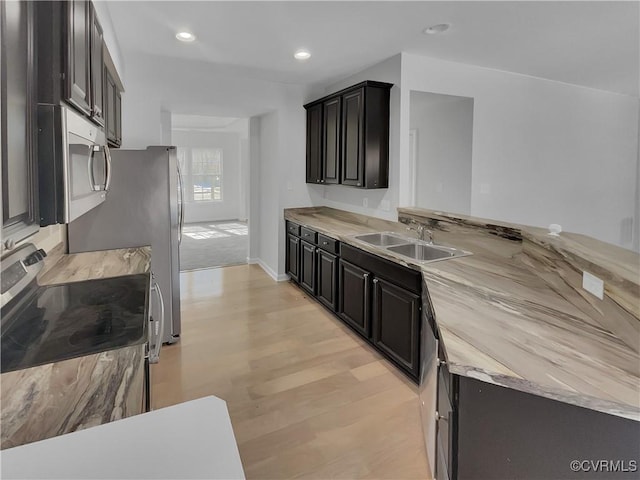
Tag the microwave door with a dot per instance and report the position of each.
(87, 174)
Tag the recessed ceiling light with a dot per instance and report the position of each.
(302, 55)
(185, 36)
(436, 29)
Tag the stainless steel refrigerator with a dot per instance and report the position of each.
(143, 207)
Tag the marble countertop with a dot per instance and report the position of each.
(66, 268)
(514, 313)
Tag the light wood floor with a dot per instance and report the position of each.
(307, 397)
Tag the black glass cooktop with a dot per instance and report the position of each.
(59, 322)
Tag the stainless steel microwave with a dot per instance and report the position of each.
(74, 164)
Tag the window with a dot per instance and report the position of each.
(202, 169)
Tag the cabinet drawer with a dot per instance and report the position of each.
(327, 243)
(293, 228)
(402, 276)
(308, 235)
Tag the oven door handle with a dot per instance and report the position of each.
(154, 355)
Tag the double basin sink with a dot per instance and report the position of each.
(417, 250)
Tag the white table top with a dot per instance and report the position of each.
(190, 440)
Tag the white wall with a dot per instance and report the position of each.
(548, 152)
(443, 128)
(110, 39)
(232, 185)
(349, 198)
(156, 84)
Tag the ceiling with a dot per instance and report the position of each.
(595, 44)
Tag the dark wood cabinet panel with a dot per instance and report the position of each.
(78, 63)
(315, 172)
(327, 286)
(354, 149)
(112, 108)
(18, 122)
(308, 266)
(293, 257)
(354, 297)
(396, 324)
(97, 66)
(331, 140)
(353, 138)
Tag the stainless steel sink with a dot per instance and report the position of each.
(426, 253)
(382, 239)
(417, 250)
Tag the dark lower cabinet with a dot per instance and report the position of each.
(327, 286)
(307, 277)
(396, 324)
(354, 297)
(293, 256)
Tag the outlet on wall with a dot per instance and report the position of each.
(593, 285)
(365, 202)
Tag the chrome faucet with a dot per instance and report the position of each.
(421, 230)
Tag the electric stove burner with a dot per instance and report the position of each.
(65, 321)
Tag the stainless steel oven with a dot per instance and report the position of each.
(74, 164)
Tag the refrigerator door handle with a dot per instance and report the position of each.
(154, 355)
(107, 156)
(181, 215)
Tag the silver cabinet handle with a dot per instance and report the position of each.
(440, 362)
(154, 356)
(107, 156)
(375, 280)
(325, 243)
(365, 276)
(441, 417)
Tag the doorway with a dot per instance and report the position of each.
(213, 153)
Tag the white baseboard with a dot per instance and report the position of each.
(278, 278)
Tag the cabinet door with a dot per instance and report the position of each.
(308, 266)
(354, 297)
(97, 66)
(331, 140)
(327, 288)
(118, 114)
(293, 257)
(396, 324)
(314, 144)
(110, 107)
(17, 121)
(78, 66)
(353, 138)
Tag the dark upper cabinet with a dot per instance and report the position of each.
(17, 121)
(112, 107)
(327, 283)
(77, 73)
(97, 66)
(293, 256)
(314, 144)
(396, 324)
(72, 62)
(308, 266)
(331, 140)
(354, 297)
(355, 136)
